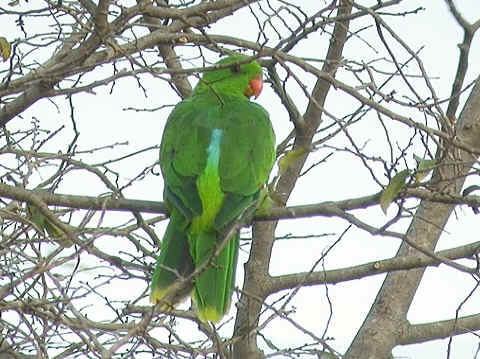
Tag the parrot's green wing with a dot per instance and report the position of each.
(216, 154)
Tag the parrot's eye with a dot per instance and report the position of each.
(236, 69)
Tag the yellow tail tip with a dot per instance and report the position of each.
(160, 296)
(157, 294)
(210, 314)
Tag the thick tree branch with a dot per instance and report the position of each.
(324, 209)
(395, 296)
(82, 202)
(24, 101)
(415, 260)
(419, 333)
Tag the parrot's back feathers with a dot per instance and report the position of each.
(217, 151)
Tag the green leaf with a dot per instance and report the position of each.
(424, 167)
(44, 224)
(5, 48)
(36, 217)
(289, 158)
(390, 192)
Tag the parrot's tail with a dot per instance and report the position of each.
(174, 265)
(214, 286)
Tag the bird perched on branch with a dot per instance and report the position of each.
(217, 151)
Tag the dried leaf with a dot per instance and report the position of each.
(393, 189)
(5, 48)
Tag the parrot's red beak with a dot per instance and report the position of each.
(255, 86)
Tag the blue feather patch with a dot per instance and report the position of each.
(213, 149)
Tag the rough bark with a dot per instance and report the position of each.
(384, 325)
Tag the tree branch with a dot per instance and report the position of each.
(468, 33)
(419, 333)
(414, 260)
(396, 294)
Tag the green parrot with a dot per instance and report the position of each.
(217, 151)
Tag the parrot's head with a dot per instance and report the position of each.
(241, 78)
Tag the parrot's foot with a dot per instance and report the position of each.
(264, 203)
